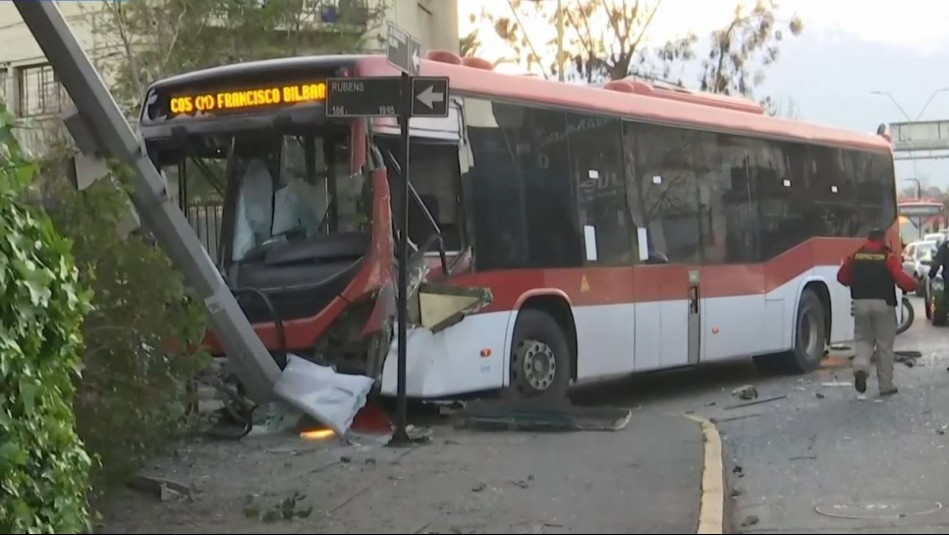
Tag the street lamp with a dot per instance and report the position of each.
(919, 187)
(908, 118)
(560, 37)
(903, 111)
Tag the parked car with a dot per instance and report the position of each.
(917, 257)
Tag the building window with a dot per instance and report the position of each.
(40, 91)
(3, 85)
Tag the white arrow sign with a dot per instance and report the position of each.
(416, 61)
(429, 97)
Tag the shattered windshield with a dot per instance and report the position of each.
(268, 188)
(297, 188)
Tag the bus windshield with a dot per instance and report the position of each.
(275, 188)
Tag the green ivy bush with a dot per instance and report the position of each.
(44, 469)
(142, 338)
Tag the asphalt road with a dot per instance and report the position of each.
(808, 458)
(819, 460)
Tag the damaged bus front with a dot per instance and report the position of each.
(294, 207)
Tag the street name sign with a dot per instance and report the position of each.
(429, 97)
(363, 97)
(403, 51)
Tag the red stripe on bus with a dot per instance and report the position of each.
(642, 283)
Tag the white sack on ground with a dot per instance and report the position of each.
(331, 398)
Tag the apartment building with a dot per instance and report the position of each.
(31, 91)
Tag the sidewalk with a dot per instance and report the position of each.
(645, 478)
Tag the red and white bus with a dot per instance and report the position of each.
(919, 217)
(587, 233)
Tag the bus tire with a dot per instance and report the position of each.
(810, 335)
(810, 340)
(540, 357)
(938, 315)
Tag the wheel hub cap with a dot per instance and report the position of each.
(539, 364)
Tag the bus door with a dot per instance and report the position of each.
(695, 317)
(670, 310)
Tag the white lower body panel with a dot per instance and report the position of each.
(451, 362)
(617, 339)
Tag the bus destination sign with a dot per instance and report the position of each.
(247, 99)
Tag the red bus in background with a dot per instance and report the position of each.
(583, 233)
(919, 217)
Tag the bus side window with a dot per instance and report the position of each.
(660, 172)
(596, 162)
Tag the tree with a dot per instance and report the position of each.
(608, 39)
(44, 468)
(740, 51)
(602, 39)
(158, 38)
(787, 109)
(470, 45)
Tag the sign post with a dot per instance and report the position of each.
(402, 96)
(403, 53)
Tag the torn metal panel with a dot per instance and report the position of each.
(417, 274)
(441, 306)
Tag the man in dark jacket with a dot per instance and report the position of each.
(940, 260)
(872, 274)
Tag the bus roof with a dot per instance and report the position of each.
(718, 113)
(280, 65)
(472, 80)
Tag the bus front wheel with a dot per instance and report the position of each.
(540, 357)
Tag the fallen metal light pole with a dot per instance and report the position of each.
(101, 130)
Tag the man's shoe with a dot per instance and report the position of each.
(889, 392)
(860, 381)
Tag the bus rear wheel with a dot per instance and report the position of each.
(540, 357)
(810, 340)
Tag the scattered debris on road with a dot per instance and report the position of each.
(288, 508)
(757, 402)
(837, 384)
(541, 416)
(804, 458)
(479, 487)
(163, 489)
(735, 492)
(747, 392)
(734, 418)
(750, 520)
(820, 396)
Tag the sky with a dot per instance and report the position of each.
(849, 49)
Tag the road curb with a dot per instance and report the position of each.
(712, 505)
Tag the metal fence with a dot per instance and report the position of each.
(205, 219)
